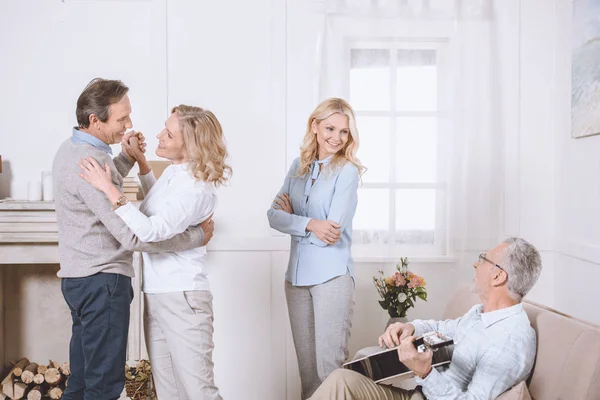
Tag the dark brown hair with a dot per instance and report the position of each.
(96, 98)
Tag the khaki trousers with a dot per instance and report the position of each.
(344, 384)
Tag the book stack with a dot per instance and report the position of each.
(130, 188)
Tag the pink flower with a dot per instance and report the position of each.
(416, 281)
(400, 281)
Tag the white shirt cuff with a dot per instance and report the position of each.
(121, 211)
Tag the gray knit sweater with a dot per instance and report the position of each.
(91, 237)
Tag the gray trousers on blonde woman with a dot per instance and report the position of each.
(321, 318)
(344, 384)
(179, 336)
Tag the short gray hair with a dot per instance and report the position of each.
(523, 263)
(96, 99)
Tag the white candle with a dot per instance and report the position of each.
(47, 186)
(34, 191)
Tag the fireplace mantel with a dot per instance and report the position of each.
(28, 232)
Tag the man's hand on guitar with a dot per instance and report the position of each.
(395, 334)
(419, 363)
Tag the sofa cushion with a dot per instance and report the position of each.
(567, 365)
(517, 392)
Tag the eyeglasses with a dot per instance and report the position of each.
(482, 257)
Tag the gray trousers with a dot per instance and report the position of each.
(321, 318)
(179, 336)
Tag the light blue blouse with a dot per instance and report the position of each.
(332, 197)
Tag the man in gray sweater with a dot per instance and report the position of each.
(96, 247)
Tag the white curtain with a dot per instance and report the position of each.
(472, 128)
(478, 180)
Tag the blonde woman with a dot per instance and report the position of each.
(315, 206)
(178, 316)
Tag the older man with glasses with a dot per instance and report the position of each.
(495, 345)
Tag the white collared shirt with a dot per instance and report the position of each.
(172, 204)
(493, 351)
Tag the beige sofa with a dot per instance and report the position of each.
(567, 365)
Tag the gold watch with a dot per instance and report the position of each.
(120, 202)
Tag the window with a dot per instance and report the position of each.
(397, 90)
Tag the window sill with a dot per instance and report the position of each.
(413, 260)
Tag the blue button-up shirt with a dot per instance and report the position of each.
(80, 137)
(493, 351)
(332, 196)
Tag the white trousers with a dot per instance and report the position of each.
(179, 336)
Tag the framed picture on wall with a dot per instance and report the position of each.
(585, 75)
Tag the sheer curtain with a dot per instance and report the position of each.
(422, 76)
(478, 180)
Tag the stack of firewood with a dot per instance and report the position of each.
(32, 381)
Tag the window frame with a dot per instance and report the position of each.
(441, 244)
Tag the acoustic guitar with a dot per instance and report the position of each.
(385, 365)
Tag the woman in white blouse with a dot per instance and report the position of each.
(178, 318)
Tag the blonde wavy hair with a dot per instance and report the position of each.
(310, 147)
(204, 144)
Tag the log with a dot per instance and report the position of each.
(53, 376)
(7, 388)
(32, 367)
(7, 382)
(38, 379)
(29, 372)
(65, 369)
(19, 365)
(27, 377)
(42, 369)
(55, 393)
(19, 390)
(2, 396)
(53, 364)
(36, 393)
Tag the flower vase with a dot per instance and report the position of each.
(393, 320)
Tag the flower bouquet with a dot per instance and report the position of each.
(400, 291)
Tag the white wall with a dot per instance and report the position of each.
(557, 179)
(224, 60)
(50, 51)
(534, 181)
(576, 193)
